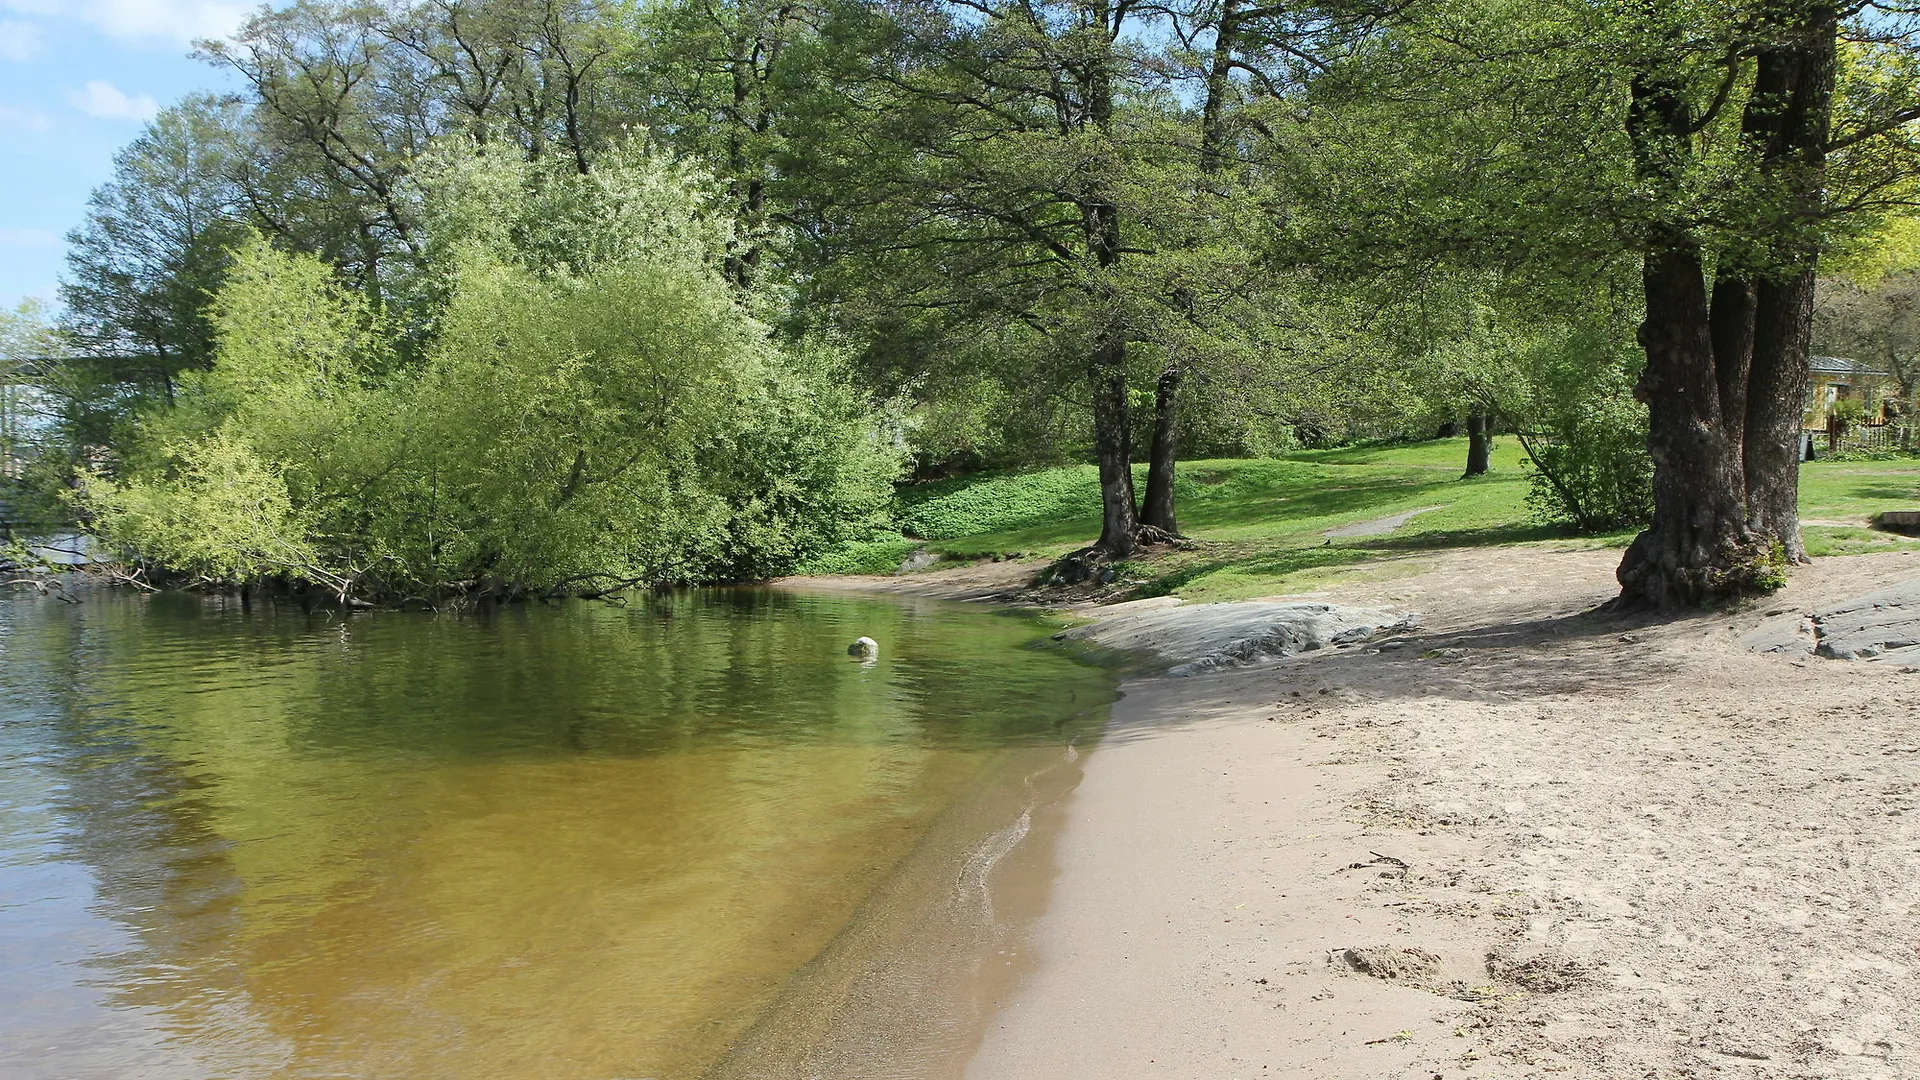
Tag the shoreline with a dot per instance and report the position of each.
(905, 989)
(1539, 840)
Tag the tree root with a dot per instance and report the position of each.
(1154, 534)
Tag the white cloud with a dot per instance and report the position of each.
(19, 41)
(23, 119)
(108, 102)
(173, 22)
(28, 238)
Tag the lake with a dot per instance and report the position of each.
(683, 837)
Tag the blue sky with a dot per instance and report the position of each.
(78, 78)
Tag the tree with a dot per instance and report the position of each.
(1877, 323)
(348, 95)
(1479, 440)
(26, 341)
(341, 111)
(1698, 138)
(595, 409)
(988, 148)
(717, 79)
(153, 248)
(1881, 323)
(1039, 177)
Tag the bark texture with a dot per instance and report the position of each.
(1731, 330)
(1157, 509)
(1479, 442)
(1113, 444)
(1777, 395)
(1697, 548)
(1798, 78)
(1726, 379)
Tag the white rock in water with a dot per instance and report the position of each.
(865, 647)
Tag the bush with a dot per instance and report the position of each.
(224, 515)
(882, 554)
(1586, 436)
(586, 415)
(1594, 473)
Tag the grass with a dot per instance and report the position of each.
(1262, 523)
(1852, 492)
(880, 555)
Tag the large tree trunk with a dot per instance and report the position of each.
(1112, 419)
(1776, 403)
(1479, 442)
(1730, 326)
(1113, 444)
(1800, 77)
(1697, 548)
(1158, 508)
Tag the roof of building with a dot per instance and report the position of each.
(1840, 365)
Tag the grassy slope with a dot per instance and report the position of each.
(1262, 523)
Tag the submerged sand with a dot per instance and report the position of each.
(1534, 840)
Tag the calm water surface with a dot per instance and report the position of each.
(576, 841)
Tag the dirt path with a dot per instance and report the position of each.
(1631, 850)
(1380, 526)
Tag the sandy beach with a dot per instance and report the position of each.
(1533, 840)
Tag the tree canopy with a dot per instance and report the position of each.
(559, 294)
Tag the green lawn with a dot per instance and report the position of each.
(1261, 524)
(1852, 492)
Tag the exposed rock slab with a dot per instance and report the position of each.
(1196, 638)
(1881, 626)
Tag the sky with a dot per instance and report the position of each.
(78, 79)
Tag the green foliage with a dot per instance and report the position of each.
(223, 514)
(591, 411)
(882, 554)
(1335, 221)
(33, 461)
(1564, 384)
(1262, 523)
(1750, 570)
(949, 509)
(635, 206)
(1869, 453)
(1591, 467)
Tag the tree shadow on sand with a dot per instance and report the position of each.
(1531, 658)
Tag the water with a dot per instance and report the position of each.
(578, 841)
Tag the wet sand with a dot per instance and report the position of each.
(905, 990)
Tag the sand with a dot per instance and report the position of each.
(1531, 841)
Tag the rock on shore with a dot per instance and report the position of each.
(1882, 626)
(1195, 638)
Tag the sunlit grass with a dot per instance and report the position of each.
(1261, 525)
